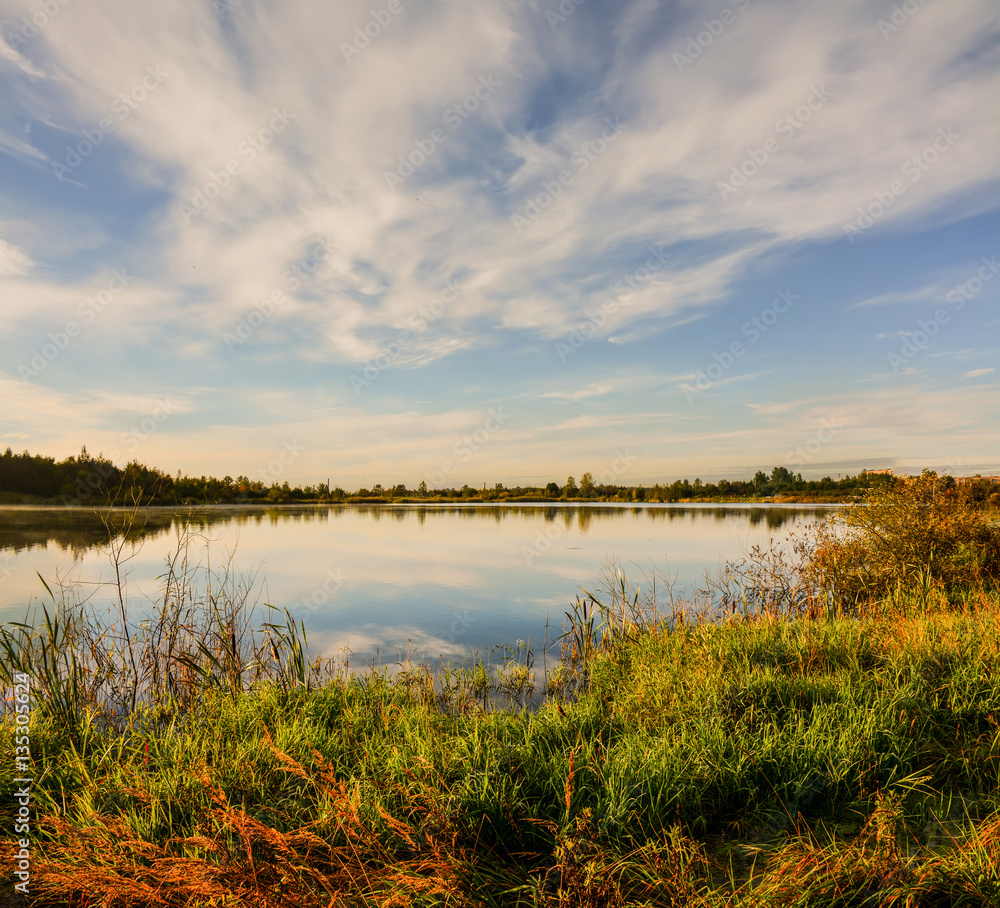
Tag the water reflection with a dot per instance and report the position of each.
(78, 531)
(441, 580)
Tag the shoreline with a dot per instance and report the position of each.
(700, 503)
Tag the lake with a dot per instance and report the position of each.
(434, 580)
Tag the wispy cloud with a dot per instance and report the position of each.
(12, 260)
(930, 293)
(486, 110)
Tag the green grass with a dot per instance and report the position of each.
(750, 762)
(825, 745)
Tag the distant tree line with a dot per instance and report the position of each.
(87, 480)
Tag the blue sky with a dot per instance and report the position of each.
(386, 242)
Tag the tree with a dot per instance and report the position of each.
(278, 493)
(570, 489)
(587, 486)
(781, 477)
(422, 489)
(552, 489)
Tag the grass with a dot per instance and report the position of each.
(755, 761)
(779, 756)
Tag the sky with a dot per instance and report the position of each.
(501, 242)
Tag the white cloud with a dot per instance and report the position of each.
(929, 293)
(10, 55)
(13, 261)
(352, 121)
(393, 250)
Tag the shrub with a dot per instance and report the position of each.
(919, 530)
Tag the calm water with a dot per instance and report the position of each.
(440, 580)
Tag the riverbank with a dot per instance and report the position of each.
(260, 505)
(754, 761)
(824, 731)
(8, 499)
(85, 480)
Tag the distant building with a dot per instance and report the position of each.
(886, 472)
(968, 480)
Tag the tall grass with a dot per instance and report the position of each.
(705, 764)
(152, 656)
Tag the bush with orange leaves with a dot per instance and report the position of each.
(919, 533)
